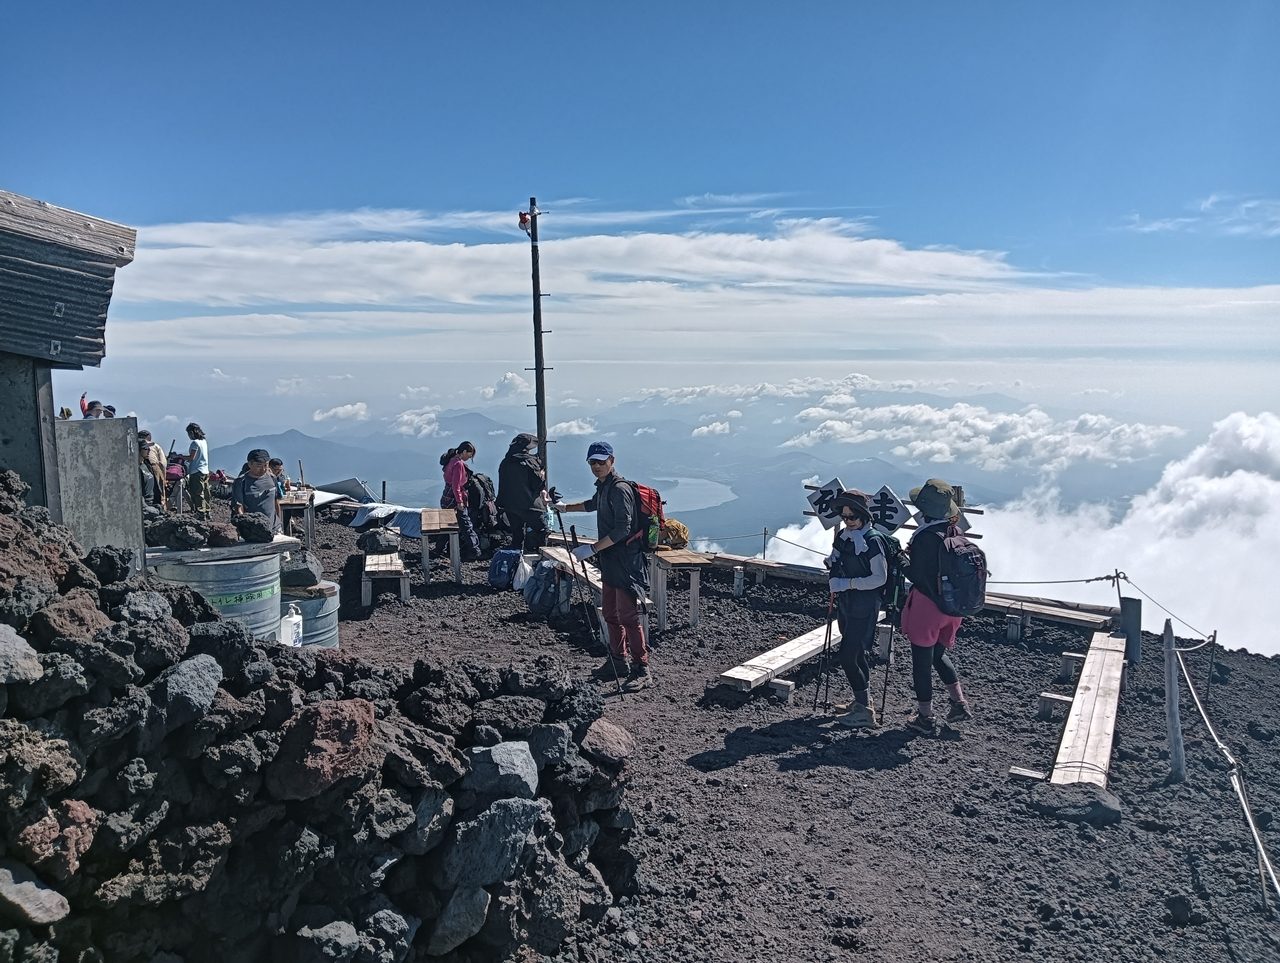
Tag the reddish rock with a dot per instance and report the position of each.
(55, 839)
(608, 744)
(75, 616)
(325, 743)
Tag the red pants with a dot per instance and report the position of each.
(623, 618)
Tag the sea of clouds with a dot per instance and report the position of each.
(1202, 541)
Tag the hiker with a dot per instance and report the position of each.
(255, 490)
(90, 409)
(198, 471)
(521, 484)
(154, 465)
(931, 632)
(859, 571)
(283, 483)
(623, 569)
(454, 462)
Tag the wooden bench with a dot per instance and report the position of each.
(660, 565)
(441, 521)
(764, 668)
(1084, 755)
(384, 566)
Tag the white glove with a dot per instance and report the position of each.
(840, 584)
(583, 552)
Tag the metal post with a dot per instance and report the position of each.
(1177, 757)
(384, 491)
(764, 545)
(539, 379)
(739, 581)
(1213, 653)
(1131, 626)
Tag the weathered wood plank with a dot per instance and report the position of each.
(439, 521)
(29, 217)
(282, 543)
(1084, 755)
(764, 668)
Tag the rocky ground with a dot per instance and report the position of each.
(768, 832)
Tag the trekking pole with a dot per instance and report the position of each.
(824, 667)
(888, 661)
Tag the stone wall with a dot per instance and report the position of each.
(172, 790)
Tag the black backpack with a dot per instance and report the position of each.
(895, 587)
(962, 575)
(480, 499)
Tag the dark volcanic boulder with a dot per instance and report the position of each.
(13, 492)
(378, 541)
(254, 527)
(513, 716)
(301, 570)
(110, 564)
(178, 532)
(25, 899)
(223, 534)
(325, 743)
(18, 661)
(77, 616)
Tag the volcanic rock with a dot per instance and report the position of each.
(142, 607)
(608, 744)
(54, 839)
(1076, 803)
(254, 527)
(324, 744)
(178, 532)
(13, 492)
(25, 595)
(513, 716)
(486, 849)
(18, 661)
(62, 679)
(223, 535)
(431, 818)
(77, 615)
(335, 942)
(34, 765)
(506, 769)
(301, 569)
(110, 564)
(378, 541)
(550, 743)
(25, 899)
(461, 919)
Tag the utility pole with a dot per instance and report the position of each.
(539, 368)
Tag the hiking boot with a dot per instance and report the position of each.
(611, 669)
(960, 712)
(922, 724)
(640, 678)
(859, 717)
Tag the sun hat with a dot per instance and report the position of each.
(857, 501)
(936, 499)
(600, 451)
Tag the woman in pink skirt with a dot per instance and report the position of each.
(932, 633)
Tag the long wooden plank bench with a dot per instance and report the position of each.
(1084, 755)
(765, 668)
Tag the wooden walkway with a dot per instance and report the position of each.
(765, 668)
(1084, 755)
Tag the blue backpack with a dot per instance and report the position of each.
(502, 568)
(548, 592)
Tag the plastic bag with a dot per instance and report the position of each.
(523, 571)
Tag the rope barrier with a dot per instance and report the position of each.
(1265, 866)
(798, 545)
(1053, 581)
(1203, 635)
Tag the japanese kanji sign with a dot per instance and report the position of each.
(888, 510)
(820, 500)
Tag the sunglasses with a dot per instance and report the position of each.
(849, 518)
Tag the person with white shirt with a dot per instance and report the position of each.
(198, 471)
(859, 572)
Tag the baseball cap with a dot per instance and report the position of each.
(600, 451)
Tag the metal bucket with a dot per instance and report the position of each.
(244, 589)
(319, 617)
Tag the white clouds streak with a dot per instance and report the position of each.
(989, 440)
(510, 385)
(578, 426)
(715, 428)
(356, 411)
(417, 422)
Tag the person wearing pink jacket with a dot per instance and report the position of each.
(456, 474)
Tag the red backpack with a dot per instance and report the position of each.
(649, 517)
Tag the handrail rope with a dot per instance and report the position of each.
(798, 545)
(1203, 635)
(1053, 581)
(1237, 778)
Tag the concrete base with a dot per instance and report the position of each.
(101, 484)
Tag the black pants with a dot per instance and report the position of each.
(148, 485)
(528, 529)
(924, 659)
(857, 619)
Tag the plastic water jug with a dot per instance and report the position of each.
(291, 627)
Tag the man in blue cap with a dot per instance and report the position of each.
(622, 566)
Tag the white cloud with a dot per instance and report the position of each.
(356, 411)
(289, 386)
(579, 426)
(1201, 540)
(217, 374)
(733, 413)
(412, 393)
(990, 440)
(645, 431)
(341, 377)
(715, 428)
(1221, 214)
(508, 386)
(417, 422)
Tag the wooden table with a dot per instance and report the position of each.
(300, 501)
(441, 521)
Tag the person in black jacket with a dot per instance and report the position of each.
(931, 631)
(859, 571)
(521, 480)
(622, 566)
